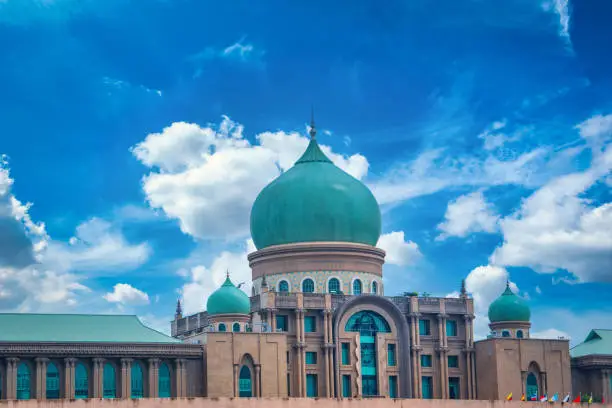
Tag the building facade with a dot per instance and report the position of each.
(592, 366)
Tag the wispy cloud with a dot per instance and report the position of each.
(562, 9)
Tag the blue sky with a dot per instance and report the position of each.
(141, 134)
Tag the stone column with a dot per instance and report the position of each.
(126, 378)
(442, 356)
(181, 383)
(256, 384)
(41, 377)
(273, 319)
(605, 386)
(69, 364)
(236, 389)
(98, 378)
(11, 378)
(153, 378)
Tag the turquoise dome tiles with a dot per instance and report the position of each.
(315, 201)
(509, 308)
(228, 299)
(320, 279)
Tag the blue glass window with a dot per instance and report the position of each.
(424, 327)
(222, 327)
(427, 388)
(451, 328)
(346, 353)
(109, 381)
(281, 323)
(333, 286)
(531, 388)
(346, 386)
(81, 383)
(425, 360)
(391, 361)
(236, 327)
(519, 334)
(23, 382)
(453, 388)
(374, 287)
(244, 383)
(53, 382)
(137, 386)
(164, 381)
(357, 287)
(392, 386)
(505, 333)
(367, 323)
(453, 361)
(310, 324)
(283, 286)
(311, 357)
(312, 386)
(308, 285)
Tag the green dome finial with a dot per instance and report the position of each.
(228, 299)
(509, 308)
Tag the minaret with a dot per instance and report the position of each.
(463, 292)
(313, 129)
(264, 284)
(179, 310)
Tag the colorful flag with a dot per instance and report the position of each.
(554, 398)
(523, 397)
(509, 397)
(590, 401)
(544, 398)
(567, 398)
(578, 399)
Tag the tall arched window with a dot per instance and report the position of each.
(333, 286)
(374, 287)
(222, 327)
(357, 287)
(283, 286)
(137, 381)
(23, 382)
(236, 327)
(110, 382)
(164, 381)
(308, 285)
(81, 383)
(531, 387)
(53, 382)
(519, 334)
(505, 333)
(244, 383)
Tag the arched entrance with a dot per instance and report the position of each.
(367, 323)
(23, 382)
(53, 382)
(109, 382)
(531, 387)
(164, 381)
(245, 385)
(81, 382)
(137, 386)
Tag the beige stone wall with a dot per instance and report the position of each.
(267, 359)
(279, 403)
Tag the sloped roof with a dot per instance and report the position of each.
(599, 341)
(77, 328)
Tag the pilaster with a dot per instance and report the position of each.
(98, 377)
(11, 378)
(154, 377)
(41, 377)
(236, 368)
(126, 378)
(69, 364)
(181, 381)
(256, 391)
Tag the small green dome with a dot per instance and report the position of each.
(315, 201)
(509, 308)
(228, 299)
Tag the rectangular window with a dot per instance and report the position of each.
(424, 327)
(427, 389)
(425, 360)
(346, 386)
(453, 361)
(312, 386)
(311, 357)
(392, 386)
(310, 324)
(281, 323)
(391, 362)
(451, 328)
(346, 354)
(453, 388)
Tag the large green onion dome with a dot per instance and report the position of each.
(315, 201)
(228, 299)
(509, 308)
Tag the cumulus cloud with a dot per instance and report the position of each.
(468, 214)
(202, 280)
(596, 130)
(127, 295)
(558, 228)
(399, 252)
(207, 178)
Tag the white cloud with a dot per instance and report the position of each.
(562, 9)
(127, 295)
(468, 214)
(207, 178)
(596, 130)
(203, 280)
(557, 228)
(550, 334)
(399, 252)
(496, 135)
(239, 50)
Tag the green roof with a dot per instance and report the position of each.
(315, 201)
(228, 299)
(599, 341)
(509, 308)
(77, 328)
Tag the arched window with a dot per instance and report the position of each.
(333, 286)
(367, 323)
(519, 334)
(505, 333)
(222, 327)
(308, 285)
(137, 381)
(164, 381)
(531, 387)
(81, 383)
(244, 382)
(357, 287)
(23, 382)
(236, 327)
(374, 287)
(53, 382)
(109, 382)
(283, 286)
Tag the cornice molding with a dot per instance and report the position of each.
(100, 350)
